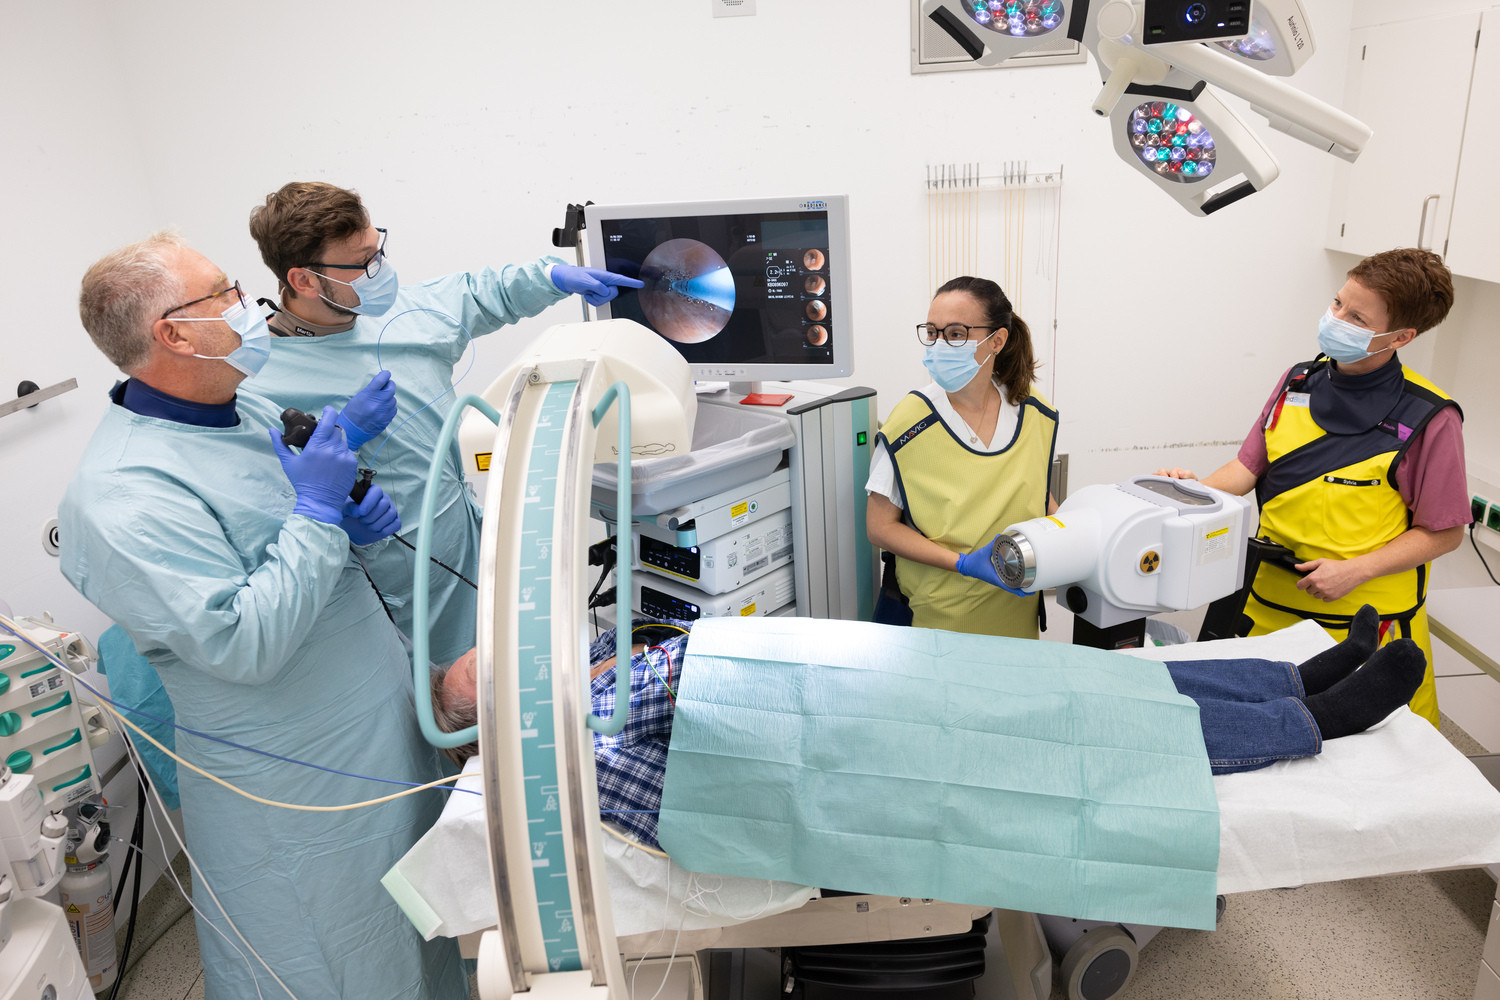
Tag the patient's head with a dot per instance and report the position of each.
(454, 705)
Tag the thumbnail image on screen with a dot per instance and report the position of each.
(728, 289)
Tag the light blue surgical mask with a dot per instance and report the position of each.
(952, 366)
(376, 294)
(255, 337)
(1344, 342)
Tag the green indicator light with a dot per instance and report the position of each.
(860, 438)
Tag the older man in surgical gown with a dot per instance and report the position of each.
(181, 525)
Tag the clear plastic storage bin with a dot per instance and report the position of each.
(732, 446)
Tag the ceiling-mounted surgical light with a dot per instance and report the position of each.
(1017, 18)
(1161, 54)
(1172, 142)
(1280, 39)
(1198, 151)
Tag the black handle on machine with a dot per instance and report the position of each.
(297, 430)
(1226, 617)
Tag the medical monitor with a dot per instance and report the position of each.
(746, 290)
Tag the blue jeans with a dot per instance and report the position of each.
(1251, 710)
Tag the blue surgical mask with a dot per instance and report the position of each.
(1343, 341)
(952, 366)
(376, 294)
(255, 338)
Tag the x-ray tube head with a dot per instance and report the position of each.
(1047, 551)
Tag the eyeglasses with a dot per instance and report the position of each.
(235, 288)
(953, 333)
(371, 267)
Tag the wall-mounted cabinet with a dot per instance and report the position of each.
(1429, 89)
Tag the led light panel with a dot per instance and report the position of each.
(1168, 139)
(1017, 18)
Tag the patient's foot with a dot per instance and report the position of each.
(1387, 681)
(1332, 665)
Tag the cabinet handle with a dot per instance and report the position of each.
(1422, 225)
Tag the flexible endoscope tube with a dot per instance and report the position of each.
(420, 640)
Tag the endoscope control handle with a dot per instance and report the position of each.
(362, 485)
(298, 429)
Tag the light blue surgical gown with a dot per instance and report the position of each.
(420, 350)
(265, 633)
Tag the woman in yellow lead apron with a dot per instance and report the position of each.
(1357, 463)
(959, 461)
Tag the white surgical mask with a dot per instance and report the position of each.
(1344, 342)
(952, 366)
(255, 337)
(376, 294)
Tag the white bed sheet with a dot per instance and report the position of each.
(1398, 798)
(443, 883)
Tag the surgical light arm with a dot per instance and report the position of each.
(1147, 66)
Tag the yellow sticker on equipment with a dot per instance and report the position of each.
(747, 610)
(482, 460)
(740, 509)
(1216, 534)
(1056, 521)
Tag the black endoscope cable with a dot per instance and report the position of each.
(439, 562)
(1482, 561)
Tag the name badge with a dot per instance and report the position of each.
(1298, 399)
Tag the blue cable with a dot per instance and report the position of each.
(451, 386)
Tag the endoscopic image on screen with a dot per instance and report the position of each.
(689, 293)
(729, 289)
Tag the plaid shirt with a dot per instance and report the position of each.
(630, 765)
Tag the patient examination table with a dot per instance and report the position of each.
(1398, 798)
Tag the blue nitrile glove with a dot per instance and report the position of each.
(596, 286)
(323, 472)
(369, 410)
(372, 519)
(977, 565)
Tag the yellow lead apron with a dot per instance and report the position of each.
(1334, 496)
(961, 499)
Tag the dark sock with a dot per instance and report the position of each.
(1387, 681)
(1332, 665)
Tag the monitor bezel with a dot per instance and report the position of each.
(841, 333)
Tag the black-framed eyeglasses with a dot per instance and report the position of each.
(953, 333)
(235, 288)
(371, 267)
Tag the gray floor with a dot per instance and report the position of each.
(1405, 936)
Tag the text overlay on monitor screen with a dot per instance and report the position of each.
(747, 290)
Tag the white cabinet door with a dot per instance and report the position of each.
(1410, 83)
(1474, 235)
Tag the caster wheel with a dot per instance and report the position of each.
(1099, 964)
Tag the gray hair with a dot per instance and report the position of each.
(125, 292)
(452, 713)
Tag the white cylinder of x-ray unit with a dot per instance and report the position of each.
(1047, 551)
(87, 902)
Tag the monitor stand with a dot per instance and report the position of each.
(745, 388)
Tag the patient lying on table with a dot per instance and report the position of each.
(1253, 712)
